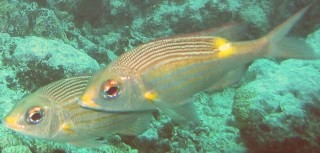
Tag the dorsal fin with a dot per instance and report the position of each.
(230, 31)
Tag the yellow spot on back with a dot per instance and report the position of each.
(224, 47)
(151, 96)
(67, 128)
(219, 42)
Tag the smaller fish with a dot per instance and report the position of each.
(164, 74)
(52, 113)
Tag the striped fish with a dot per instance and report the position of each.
(52, 113)
(165, 73)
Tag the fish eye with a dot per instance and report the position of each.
(34, 115)
(111, 89)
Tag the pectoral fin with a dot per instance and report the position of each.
(231, 78)
(182, 114)
(139, 126)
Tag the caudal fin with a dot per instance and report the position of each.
(280, 46)
(290, 47)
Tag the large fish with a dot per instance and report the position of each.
(52, 113)
(165, 73)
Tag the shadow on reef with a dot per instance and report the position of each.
(38, 74)
(292, 145)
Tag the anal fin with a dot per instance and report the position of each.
(92, 143)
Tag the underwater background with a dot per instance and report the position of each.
(275, 107)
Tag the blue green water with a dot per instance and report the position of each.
(274, 108)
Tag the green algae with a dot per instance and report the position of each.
(243, 100)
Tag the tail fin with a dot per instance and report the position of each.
(290, 47)
(282, 30)
(283, 47)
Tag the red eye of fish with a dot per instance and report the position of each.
(111, 89)
(34, 115)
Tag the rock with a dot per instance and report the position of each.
(42, 61)
(55, 53)
(46, 24)
(18, 23)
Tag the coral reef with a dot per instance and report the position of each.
(276, 105)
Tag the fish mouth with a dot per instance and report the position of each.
(11, 123)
